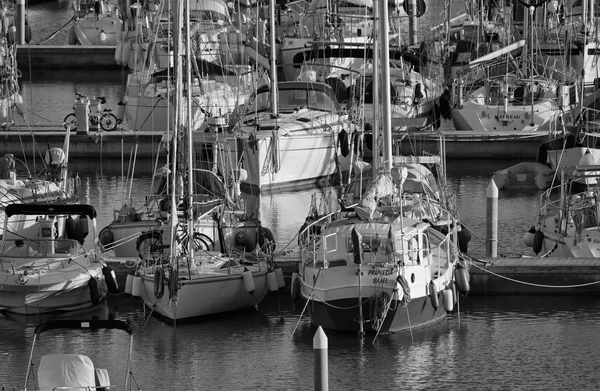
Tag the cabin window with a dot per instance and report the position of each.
(303, 98)
(371, 243)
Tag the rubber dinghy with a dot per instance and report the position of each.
(524, 175)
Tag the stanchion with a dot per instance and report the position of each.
(321, 365)
(491, 231)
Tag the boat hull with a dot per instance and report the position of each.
(334, 315)
(221, 293)
(63, 290)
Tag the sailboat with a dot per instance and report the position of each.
(568, 225)
(178, 281)
(368, 267)
(530, 96)
(224, 79)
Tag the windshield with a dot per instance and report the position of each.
(290, 100)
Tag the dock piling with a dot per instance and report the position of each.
(491, 231)
(20, 22)
(321, 366)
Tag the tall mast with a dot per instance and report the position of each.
(385, 81)
(177, 120)
(273, 58)
(375, 93)
(190, 146)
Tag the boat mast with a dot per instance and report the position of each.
(177, 120)
(385, 80)
(190, 146)
(274, 111)
(375, 93)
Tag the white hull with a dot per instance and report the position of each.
(64, 289)
(295, 162)
(206, 294)
(479, 116)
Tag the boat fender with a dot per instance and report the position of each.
(173, 283)
(127, 46)
(19, 104)
(27, 32)
(159, 283)
(245, 240)
(464, 237)
(266, 239)
(452, 287)
(248, 281)
(280, 278)
(448, 299)
(538, 241)
(343, 143)
(119, 53)
(129, 284)
(136, 288)
(94, 294)
(72, 36)
(272, 281)
(111, 279)
(461, 275)
(82, 229)
(295, 288)
(106, 237)
(433, 295)
(529, 236)
(71, 228)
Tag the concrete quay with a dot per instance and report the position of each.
(535, 276)
(469, 144)
(110, 145)
(66, 56)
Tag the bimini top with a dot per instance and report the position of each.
(94, 324)
(51, 209)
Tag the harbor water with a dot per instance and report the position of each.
(492, 343)
(504, 342)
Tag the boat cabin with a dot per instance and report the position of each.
(382, 243)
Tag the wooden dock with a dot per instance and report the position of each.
(535, 276)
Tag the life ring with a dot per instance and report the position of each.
(159, 283)
(404, 284)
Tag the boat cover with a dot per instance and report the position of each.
(65, 370)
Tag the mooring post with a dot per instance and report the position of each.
(321, 366)
(20, 22)
(491, 231)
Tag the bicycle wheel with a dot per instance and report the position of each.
(108, 122)
(201, 242)
(70, 121)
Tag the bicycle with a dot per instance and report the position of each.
(102, 117)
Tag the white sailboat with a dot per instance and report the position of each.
(530, 96)
(179, 282)
(371, 268)
(568, 225)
